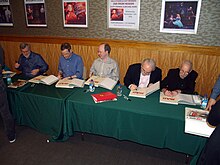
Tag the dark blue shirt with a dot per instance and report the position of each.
(34, 61)
(71, 66)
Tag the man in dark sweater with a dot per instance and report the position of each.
(4, 109)
(180, 80)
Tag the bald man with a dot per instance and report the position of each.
(180, 80)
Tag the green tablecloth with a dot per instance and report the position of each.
(145, 121)
(41, 107)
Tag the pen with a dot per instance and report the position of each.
(126, 98)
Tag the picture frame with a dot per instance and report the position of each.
(6, 17)
(180, 16)
(75, 13)
(35, 13)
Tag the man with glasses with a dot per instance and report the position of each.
(29, 63)
(142, 74)
(180, 80)
(70, 64)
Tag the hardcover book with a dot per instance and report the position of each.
(70, 83)
(143, 92)
(180, 99)
(195, 122)
(106, 82)
(104, 96)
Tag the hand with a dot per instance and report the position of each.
(210, 104)
(133, 87)
(167, 93)
(34, 72)
(17, 65)
(174, 93)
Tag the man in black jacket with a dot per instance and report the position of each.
(4, 109)
(180, 80)
(142, 74)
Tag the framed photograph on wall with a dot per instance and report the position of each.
(75, 13)
(180, 16)
(35, 13)
(6, 18)
(123, 14)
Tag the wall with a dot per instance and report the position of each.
(208, 30)
(206, 59)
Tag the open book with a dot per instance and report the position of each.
(143, 92)
(195, 122)
(37, 79)
(70, 83)
(180, 99)
(104, 82)
(8, 74)
(48, 80)
(18, 83)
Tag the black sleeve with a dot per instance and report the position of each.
(191, 83)
(128, 77)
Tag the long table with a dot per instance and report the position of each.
(61, 112)
(145, 121)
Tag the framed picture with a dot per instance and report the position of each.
(123, 15)
(6, 18)
(75, 13)
(35, 13)
(180, 16)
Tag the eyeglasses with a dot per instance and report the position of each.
(144, 71)
(184, 72)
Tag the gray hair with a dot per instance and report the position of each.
(150, 62)
(187, 62)
(24, 45)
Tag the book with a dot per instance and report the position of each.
(48, 80)
(143, 92)
(103, 82)
(37, 79)
(195, 122)
(6, 74)
(180, 99)
(104, 96)
(70, 83)
(18, 83)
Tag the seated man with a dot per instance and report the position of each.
(211, 151)
(70, 64)
(29, 63)
(142, 74)
(180, 80)
(104, 66)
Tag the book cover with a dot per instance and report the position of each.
(37, 79)
(195, 122)
(104, 96)
(143, 92)
(168, 100)
(17, 84)
(70, 83)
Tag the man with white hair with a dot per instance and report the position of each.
(142, 74)
(180, 80)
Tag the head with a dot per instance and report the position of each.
(147, 66)
(104, 51)
(66, 50)
(25, 49)
(185, 69)
(70, 7)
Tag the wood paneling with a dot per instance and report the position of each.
(206, 60)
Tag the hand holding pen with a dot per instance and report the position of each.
(17, 65)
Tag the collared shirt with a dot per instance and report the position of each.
(34, 61)
(109, 68)
(71, 66)
(144, 80)
(216, 89)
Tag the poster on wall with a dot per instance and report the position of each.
(123, 14)
(5, 13)
(75, 13)
(180, 16)
(35, 12)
